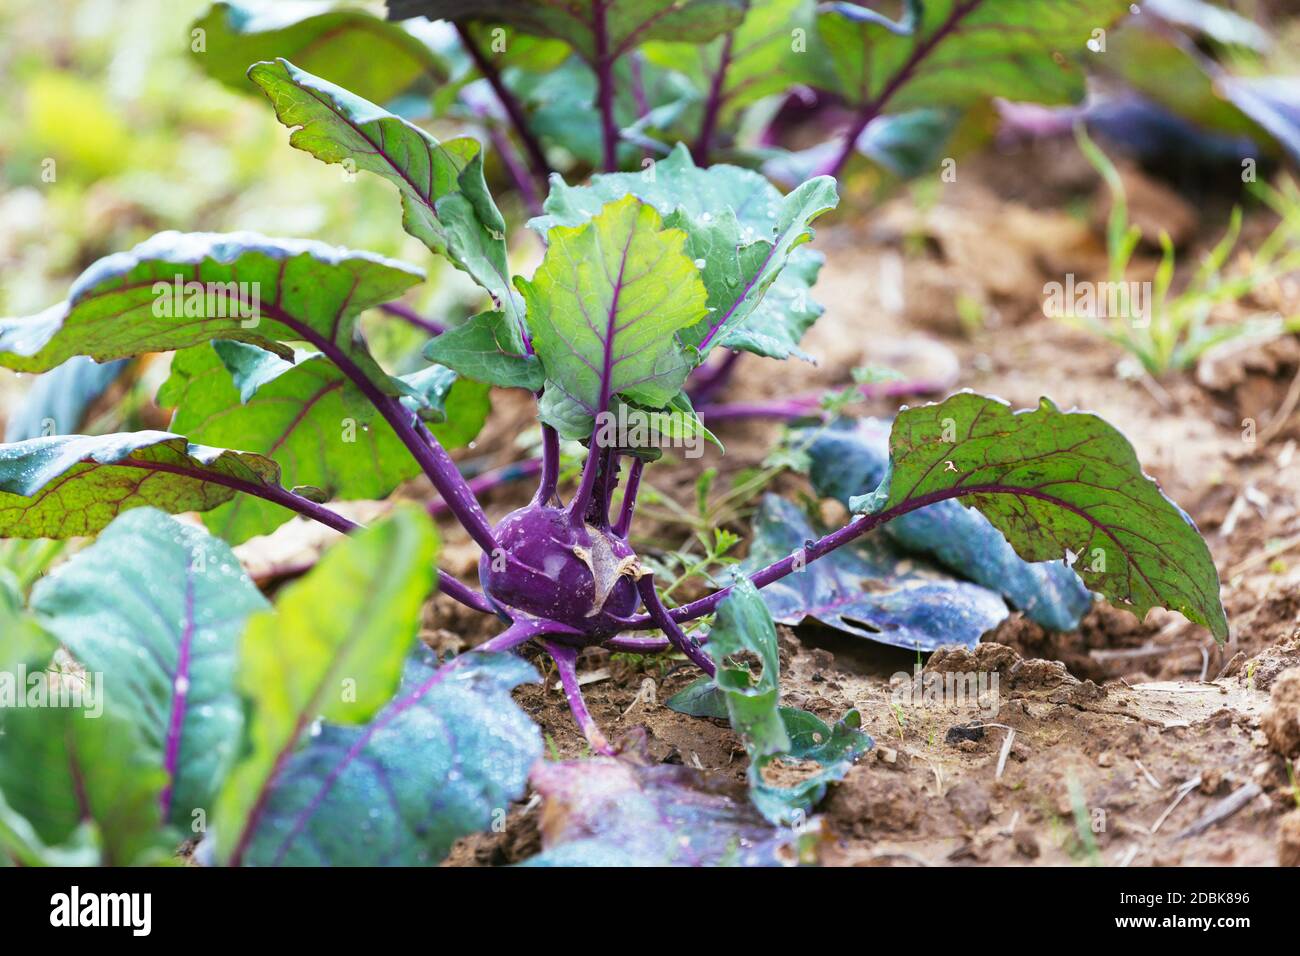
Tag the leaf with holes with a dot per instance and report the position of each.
(1059, 485)
(157, 608)
(176, 290)
(743, 637)
(607, 812)
(604, 308)
(331, 650)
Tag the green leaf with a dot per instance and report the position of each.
(176, 290)
(650, 103)
(331, 650)
(351, 47)
(1057, 484)
(960, 52)
(763, 57)
(623, 23)
(604, 307)
(447, 753)
(311, 420)
(483, 348)
(787, 310)
(157, 608)
(907, 144)
(454, 408)
(743, 632)
(78, 782)
(66, 486)
(445, 201)
(21, 845)
(738, 225)
(851, 456)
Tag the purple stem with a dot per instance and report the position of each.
(825, 545)
(180, 695)
(672, 630)
(788, 409)
(566, 662)
(524, 182)
(426, 449)
(638, 645)
(708, 380)
(532, 148)
(587, 484)
(700, 151)
(604, 67)
(550, 465)
(412, 317)
(606, 481)
(873, 109)
(308, 509)
(624, 523)
(516, 634)
(515, 471)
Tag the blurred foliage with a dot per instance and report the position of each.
(108, 135)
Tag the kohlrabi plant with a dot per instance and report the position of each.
(307, 732)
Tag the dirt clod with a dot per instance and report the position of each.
(970, 802)
(1288, 840)
(1281, 721)
(1025, 841)
(868, 800)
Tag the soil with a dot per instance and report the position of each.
(1125, 743)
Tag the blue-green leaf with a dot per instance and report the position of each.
(157, 607)
(868, 588)
(447, 754)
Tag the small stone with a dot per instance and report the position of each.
(970, 803)
(1105, 759)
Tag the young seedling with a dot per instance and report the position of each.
(1167, 331)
